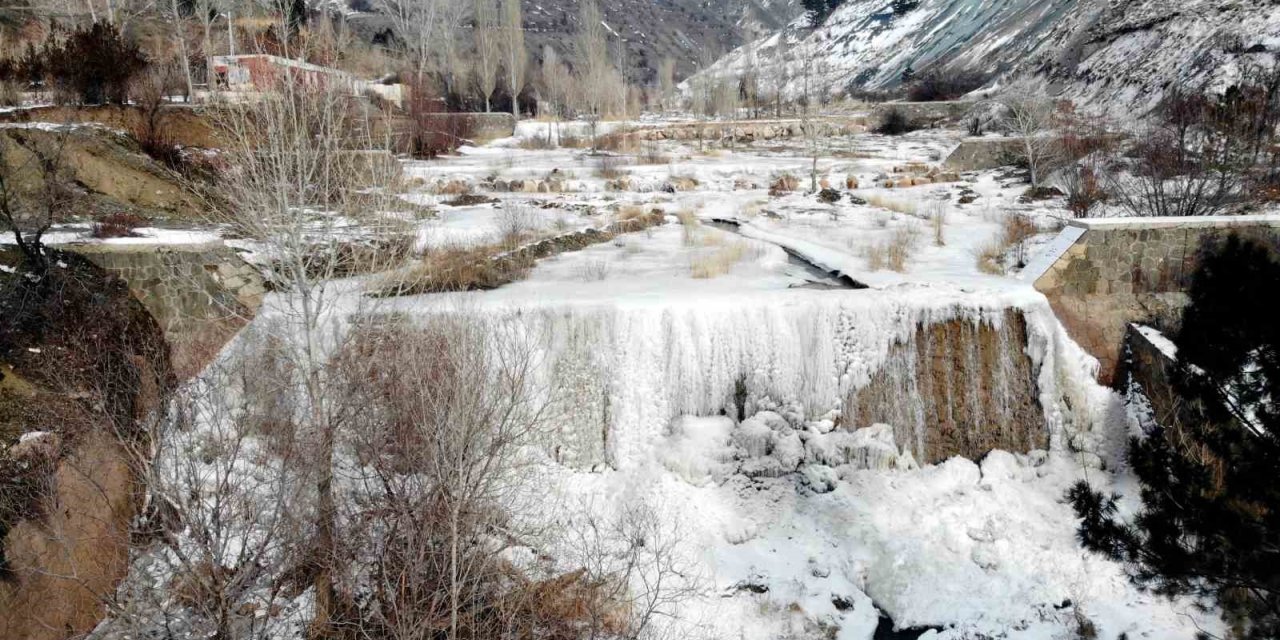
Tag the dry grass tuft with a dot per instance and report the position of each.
(717, 262)
(610, 167)
(936, 210)
(689, 225)
(991, 258)
(894, 252)
(892, 204)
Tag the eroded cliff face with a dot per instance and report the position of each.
(83, 369)
(959, 387)
(66, 559)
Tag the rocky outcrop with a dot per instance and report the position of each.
(63, 563)
(183, 125)
(976, 154)
(961, 387)
(101, 170)
(744, 132)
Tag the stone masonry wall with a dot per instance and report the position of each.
(200, 294)
(1120, 271)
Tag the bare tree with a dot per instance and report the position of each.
(632, 566)
(226, 501)
(34, 191)
(556, 81)
(419, 27)
(488, 42)
(1029, 117)
(309, 197)
(750, 79)
(592, 64)
(667, 80)
(448, 405)
(517, 58)
(179, 34)
(783, 57)
(810, 124)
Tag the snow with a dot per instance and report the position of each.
(80, 234)
(715, 401)
(1049, 255)
(1158, 340)
(977, 549)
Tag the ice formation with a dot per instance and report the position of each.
(628, 372)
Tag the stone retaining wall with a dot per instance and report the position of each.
(1116, 271)
(200, 294)
(745, 132)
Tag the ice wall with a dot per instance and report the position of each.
(954, 375)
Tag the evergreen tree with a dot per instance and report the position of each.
(1210, 521)
(908, 75)
(95, 64)
(816, 11)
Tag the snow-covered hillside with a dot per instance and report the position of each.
(1114, 53)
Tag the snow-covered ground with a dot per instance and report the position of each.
(788, 527)
(974, 549)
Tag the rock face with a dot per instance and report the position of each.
(976, 154)
(1101, 275)
(957, 388)
(1118, 55)
(105, 172)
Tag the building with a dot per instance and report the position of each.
(259, 72)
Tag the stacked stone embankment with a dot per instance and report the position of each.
(1101, 275)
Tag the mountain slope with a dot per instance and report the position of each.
(1115, 53)
(685, 30)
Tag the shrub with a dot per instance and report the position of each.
(894, 122)
(10, 93)
(609, 167)
(594, 270)
(934, 86)
(515, 220)
(1015, 230)
(118, 225)
(893, 252)
(1084, 192)
(432, 132)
